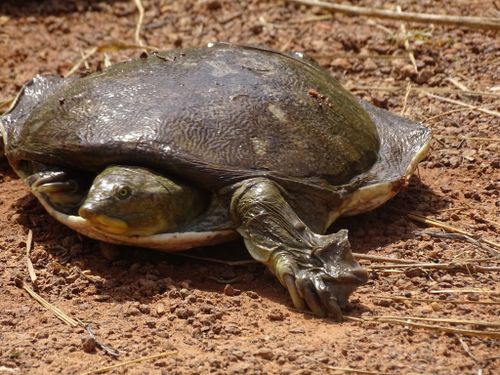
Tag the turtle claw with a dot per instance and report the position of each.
(321, 279)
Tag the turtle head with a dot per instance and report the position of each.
(134, 201)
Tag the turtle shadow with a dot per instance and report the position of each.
(143, 275)
(16, 8)
(389, 224)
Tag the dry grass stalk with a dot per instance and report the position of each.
(407, 94)
(465, 290)
(446, 114)
(129, 363)
(377, 258)
(440, 90)
(218, 261)
(462, 331)
(343, 370)
(445, 320)
(457, 84)
(489, 23)
(466, 347)
(463, 237)
(429, 300)
(458, 102)
(57, 311)
(406, 44)
(446, 227)
(5, 105)
(323, 17)
(140, 20)
(29, 264)
(467, 267)
(478, 139)
(84, 58)
(107, 47)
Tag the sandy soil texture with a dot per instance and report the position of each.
(217, 318)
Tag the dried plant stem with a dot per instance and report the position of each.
(215, 260)
(429, 300)
(463, 237)
(344, 370)
(406, 44)
(465, 347)
(377, 258)
(455, 83)
(478, 139)
(140, 20)
(107, 47)
(129, 363)
(465, 332)
(29, 264)
(490, 23)
(444, 320)
(57, 311)
(468, 267)
(84, 58)
(447, 227)
(405, 100)
(458, 102)
(465, 290)
(441, 90)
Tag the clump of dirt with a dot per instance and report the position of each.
(237, 319)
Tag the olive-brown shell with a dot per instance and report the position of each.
(212, 115)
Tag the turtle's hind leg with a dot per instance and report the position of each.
(319, 271)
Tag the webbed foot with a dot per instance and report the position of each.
(321, 278)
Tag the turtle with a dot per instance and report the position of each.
(196, 146)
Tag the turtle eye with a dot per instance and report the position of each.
(124, 192)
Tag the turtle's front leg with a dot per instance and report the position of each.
(61, 189)
(318, 270)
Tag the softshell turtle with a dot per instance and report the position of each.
(234, 139)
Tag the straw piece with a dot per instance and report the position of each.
(466, 347)
(447, 227)
(29, 264)
(446, 320)
(377, 258)
(405, 100)
(465, 290)
(354, 370)
(430, 300)
(218, 261)
(406, 43)
(456, 83)
(107, 47)
(455, 266)
(131, 362)
(140, 20)
(458, 102)
(490, 23)
(465, 332)
(57, 311)
(441, 90)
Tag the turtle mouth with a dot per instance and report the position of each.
(103, 222)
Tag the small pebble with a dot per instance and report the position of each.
(230, 291)
(88, 344)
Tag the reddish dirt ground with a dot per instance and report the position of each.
(144, 303)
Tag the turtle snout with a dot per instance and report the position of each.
(101, 220)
